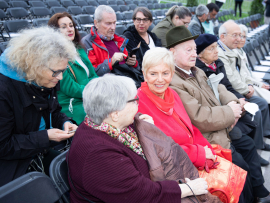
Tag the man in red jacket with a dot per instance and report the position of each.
(105, 48)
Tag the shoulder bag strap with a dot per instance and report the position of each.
(71, 70)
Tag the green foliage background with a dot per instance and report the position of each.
(256, 7)
(191, 3)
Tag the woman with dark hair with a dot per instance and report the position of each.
(142, 19)
(79, 72)
(176, 16)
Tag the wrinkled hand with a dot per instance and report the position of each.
(199, 186)
(209, 154)
(236, 109)
(251, 92)
(118, 56)
(146, 118)
(58, 135)
(265, 86)
(131, 61)
(70, 127)
(242, 102)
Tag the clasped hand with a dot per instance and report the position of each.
(58, 135)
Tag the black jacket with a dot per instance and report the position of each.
(22, 106)
(245, 124)
(134, 38)
(220, 69)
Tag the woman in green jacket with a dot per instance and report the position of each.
(176, 16)
(79, 72)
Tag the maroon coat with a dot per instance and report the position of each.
(104, 170)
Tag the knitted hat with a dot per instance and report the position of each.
(178, 35)
(204, 40)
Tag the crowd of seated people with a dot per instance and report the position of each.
(115, 91)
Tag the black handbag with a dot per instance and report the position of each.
(128, 71)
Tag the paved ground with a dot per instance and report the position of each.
(266, 170)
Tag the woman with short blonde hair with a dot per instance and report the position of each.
(31, 122)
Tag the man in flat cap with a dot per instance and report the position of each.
(213, 116)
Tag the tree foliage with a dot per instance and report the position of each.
(191, 3)
(256, 7)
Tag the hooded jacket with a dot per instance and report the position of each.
(26, 113)
(162, 28)
(134, 39)
(98, 53)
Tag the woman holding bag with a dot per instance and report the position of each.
(79, 72)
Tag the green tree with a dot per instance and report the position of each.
(256, 7)
(191, 3)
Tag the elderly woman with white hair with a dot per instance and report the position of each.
(31, 122)
(108, 162)
(260, 89)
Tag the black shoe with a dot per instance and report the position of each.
(268, 136)
(266, 147)
(264, 200)
(263, 162)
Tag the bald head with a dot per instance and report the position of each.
(230, 34)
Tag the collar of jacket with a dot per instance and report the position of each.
(200, 23)
(228, 52)
(184, 75)
(202, 65)
(94, 38)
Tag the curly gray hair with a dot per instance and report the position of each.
(37, 49)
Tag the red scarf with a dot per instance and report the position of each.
(166, 105)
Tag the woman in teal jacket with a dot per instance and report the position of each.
(79, 72)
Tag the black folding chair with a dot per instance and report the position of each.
(3, 46)
(19, 4)
(40, 22)
(67, 3)
(75, 10)
(4, 5)
(53, 3)
(81, 3)
(30, 188)
(40, 12)
(120, 29)
(92, 3)
(89, 10)
(37, 4)
(85, 21)
(55, 10)
(59, 175)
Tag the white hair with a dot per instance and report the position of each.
(104, 95)
(157, 56)
(223, 29)
(243, 28)
(100, 10)
(201, 9)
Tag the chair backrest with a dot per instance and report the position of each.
(53, 3)
(31, 188)
(89, 10)
(92, 3)
(59, 174)
(103, 2)
(151, 27)
(40, 11)
(162, 6)
(85, 19)
(120, 29)
(115, 8)
(17, 12)
(37, 4)
(67, 3)
(41, 22)
(136, 2)
(128, 15)
(75, 10)
(128, 2)
(112, 2)
(55, 10)
(119, 16)
(120, 3)
(124, 8)
(16, 4)
(81, 3)
(3, 15)
(4, 5)
(150, 6)
(157, 6)
(83, 33)
(3, 46)
(132, 6)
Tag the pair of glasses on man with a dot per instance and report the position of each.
(134, 100)
(58, 72)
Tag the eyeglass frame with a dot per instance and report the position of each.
(136, 99)
(240, 35)
(58, 72)
(139, 20)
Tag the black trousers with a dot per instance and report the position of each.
(238, 3)
(244, 155)
(219, 4)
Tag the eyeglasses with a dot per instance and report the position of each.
(243, 37)
(56, 73)
(235, 36)
(212, 48)
(134, 100)
(144, 20)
